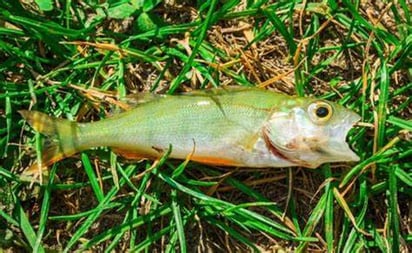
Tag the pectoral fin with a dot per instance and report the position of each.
(250, 141)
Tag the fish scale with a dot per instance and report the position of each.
(247, 127)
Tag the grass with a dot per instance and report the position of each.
(76, 59)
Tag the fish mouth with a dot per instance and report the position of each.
(339, 146)
(327, 144)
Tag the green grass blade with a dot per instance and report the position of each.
(235, 234)
(92, 177)
(44, 212)
(178, 221)
(259, 222)
(149, 241)
(78, 216)
(404, 176)
(156, 214)
(132, 214)
(405, 124)
(382, 105)
(8, 114)
(95, 215)
(393, 228)
(313, 221)
(203, 31)
(329, 212)
(282, 29)
(26, 227)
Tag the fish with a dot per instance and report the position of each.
(239, 127)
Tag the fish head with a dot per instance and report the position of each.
(310, 132)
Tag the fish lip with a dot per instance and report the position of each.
(341, 147)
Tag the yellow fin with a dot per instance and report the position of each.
(132, 154)
(133, 100)
(140, 98)
(249, 142)
(61, 141)
(217, 91)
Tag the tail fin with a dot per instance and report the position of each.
(61, 142)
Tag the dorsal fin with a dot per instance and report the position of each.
(217, 91)
(140, 98)
(136, 99)
(133, 100)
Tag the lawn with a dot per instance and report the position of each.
(78, 60)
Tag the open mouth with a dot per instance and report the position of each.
(340, 143)
(328, 146)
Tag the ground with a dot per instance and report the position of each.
(80, 59)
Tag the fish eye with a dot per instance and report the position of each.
(320, 111)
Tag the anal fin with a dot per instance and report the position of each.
(132, 154)
(218, 161)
